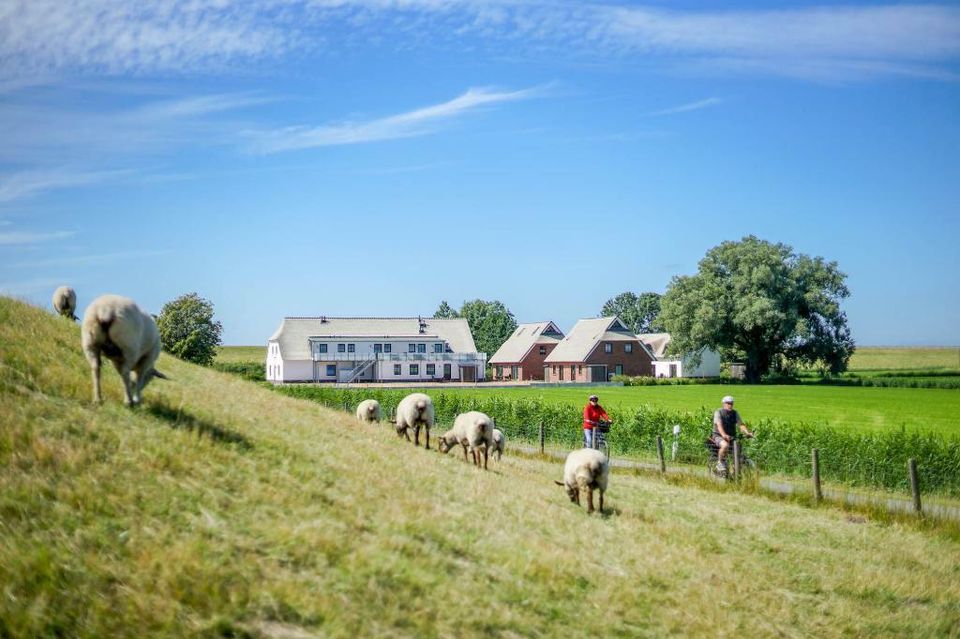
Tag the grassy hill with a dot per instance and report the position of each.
(224, 509)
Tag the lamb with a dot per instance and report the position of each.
(116, 327)
(368, 411)
(65, 302)
(471, 430)
(499, 443)
(585, 469)
(413, 411)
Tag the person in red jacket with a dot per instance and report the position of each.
(593, 413)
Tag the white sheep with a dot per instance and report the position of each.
(499, 443)
(585, 469)
(65, 302)
(368, 411)
(116, 327)
(472, 430)
(413, 411)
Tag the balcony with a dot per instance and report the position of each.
(470, 358)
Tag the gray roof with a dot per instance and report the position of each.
(657, 343)
(295, 332)
(586, 334)
(522, 340)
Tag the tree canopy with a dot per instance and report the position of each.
(639, 312)
(188, 330)
(491, 322)
(761, 302)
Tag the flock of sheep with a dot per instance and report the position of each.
(114, 327)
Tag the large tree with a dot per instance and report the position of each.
(758, 301)
(639, 312)
(188, 330)
(491, 322)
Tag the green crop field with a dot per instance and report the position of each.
(867, 358)
(234, 354)
(223, 509)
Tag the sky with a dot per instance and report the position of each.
(351, 158)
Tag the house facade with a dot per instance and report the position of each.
(521, 357)
(595, 350)
(680, 366)
(373, 349)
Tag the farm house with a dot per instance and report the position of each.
(521, 357)
(597, 349)
(680, 366)
(373, 349)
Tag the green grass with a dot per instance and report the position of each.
(234, 354)
(223, 509)
(867, 358)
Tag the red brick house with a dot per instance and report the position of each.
(521, 358)
(596, 350)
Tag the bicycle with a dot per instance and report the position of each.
(746, 464)
(598, 437)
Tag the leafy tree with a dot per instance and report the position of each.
(188, 330)
(639, 312)
(757, 301)
(444, 311)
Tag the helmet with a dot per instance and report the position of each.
(727, 400)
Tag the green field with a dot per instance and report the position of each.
(231, 354)
(223, 509)
(867, 358)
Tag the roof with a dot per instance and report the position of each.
(586, 334)
(525, 337)
(656, 342)
(295, 332)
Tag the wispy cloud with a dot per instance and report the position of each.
(689, 106)
(78, 260)
(25, 184)
(26, 287)
(404, 125)
(23, 237)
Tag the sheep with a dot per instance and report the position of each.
(368, 411)
(116, 327)
(585, 469)
(413, 411)
(499, 443)
(471, 430)
(65, 302)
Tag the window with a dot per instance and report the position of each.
(397, 370)
(573, 371)
(543, 350)
(608, 347)
(341, 348)
(431, 369)
(331, 370)
(411, 348)
(500, 371)
(438, 348)
(414, 369)
(378, 348)
(421, 348)
(321, 348)
(561, 372)
(513, 371)
(628, 348)
(580, 368)
(388, 348)
(619, 369)
(351, 348)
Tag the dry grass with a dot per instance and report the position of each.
(231, 354)
(223, 509)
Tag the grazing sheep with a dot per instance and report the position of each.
(116, 327)
(65, 302)
(471, 430)
(413, 411)
(368, 411)
(499, 443)
(585, 469)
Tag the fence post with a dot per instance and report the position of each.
(914, 485)
(817, 494)
(663, 463)
(542, 436)
(346, 407)
(736, 459)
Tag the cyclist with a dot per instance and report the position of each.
(725, 424)
(593, 414)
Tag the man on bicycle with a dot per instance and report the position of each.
(725, 423)
(593, 414)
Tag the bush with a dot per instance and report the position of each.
(253, 371)
(188, 330)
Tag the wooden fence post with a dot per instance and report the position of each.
(736, 459)
(346, 407)
(817, 494)
(542, 437)
(914, 485)
(663, 463)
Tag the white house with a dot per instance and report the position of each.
(380, 349)
(671, 366)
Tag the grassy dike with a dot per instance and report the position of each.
(224, 509)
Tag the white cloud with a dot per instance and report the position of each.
(404, 125)
(22, 237)
(690, 106)
(25, 184)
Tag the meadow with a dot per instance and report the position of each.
(224, 509)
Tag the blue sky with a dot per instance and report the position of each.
(297, 157)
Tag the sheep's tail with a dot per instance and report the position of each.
(421, 405)
(559, 483)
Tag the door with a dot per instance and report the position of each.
(673, 370)
(598, 373)
(446, 371)
(468, 373)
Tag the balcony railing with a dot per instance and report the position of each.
(401, 357)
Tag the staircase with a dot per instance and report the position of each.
(359, 370)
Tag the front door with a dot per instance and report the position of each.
(446, 371)
(598, 373)
(468, 373)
